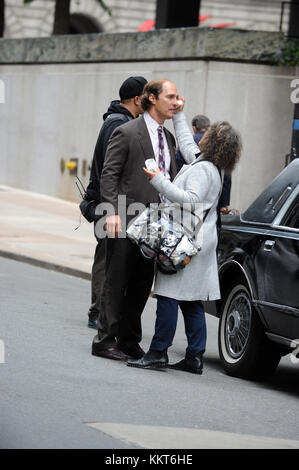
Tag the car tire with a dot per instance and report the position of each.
(243, 346)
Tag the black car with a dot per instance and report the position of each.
(258, 257)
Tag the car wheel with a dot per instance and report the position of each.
(244, 348)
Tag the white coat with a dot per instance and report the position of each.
(195, 183)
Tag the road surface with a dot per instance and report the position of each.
(54, 394)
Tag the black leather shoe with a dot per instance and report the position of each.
(133, 351)
(193, 365)
(150, 360)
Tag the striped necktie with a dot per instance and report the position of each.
(161, 157)
(161, 150)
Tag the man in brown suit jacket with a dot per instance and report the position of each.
(129, 276)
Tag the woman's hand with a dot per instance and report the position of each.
(151, 174)
(180, 104)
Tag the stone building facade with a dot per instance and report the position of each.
(36, 19)
(57, 89)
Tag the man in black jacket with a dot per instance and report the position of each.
(119, 112)
(128, 276)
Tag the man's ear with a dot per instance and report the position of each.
(152, 98)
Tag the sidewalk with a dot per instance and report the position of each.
(40, 230)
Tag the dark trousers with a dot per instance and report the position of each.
(166, 322)
(97, 280)
(128, 282)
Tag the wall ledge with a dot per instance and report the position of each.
(166, 44)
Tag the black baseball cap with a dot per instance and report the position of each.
(132, 86)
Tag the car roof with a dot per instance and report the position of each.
(266, 206)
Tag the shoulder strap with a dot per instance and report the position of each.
(218, 223)
(218, 207)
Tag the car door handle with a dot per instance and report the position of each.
(269, 245)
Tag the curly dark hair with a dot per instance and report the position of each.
(222, 145)
(154, 87)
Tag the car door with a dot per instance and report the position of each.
(281, 282)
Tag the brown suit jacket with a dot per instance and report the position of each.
(129, 146)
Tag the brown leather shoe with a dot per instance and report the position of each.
(110, 353)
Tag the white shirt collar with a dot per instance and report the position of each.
(152, 124)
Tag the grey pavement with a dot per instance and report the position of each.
(54, 394)
(42, 230)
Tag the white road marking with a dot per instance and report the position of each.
(163, 437)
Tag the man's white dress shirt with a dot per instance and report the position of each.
(152, 127)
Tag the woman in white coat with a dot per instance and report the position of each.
(198, 182)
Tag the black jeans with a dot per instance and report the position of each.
(128, 282)
(97, 280)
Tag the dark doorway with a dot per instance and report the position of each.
(177, 14)
(83, 24)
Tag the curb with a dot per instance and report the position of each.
(46, 265)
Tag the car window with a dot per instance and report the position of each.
(292, 217)
(265, 208)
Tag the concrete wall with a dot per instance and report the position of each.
(53, 92)
(54, 112)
